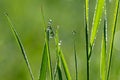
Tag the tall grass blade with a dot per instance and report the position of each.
(61, 56)
(65, 67)
(96, 20)
(76, 68)
(112, 37)
(59, 70)
(20, 45)
(44, 64)
(87, 12)
(55, 71)
(87, 34)
(47, 45)
(48, 55)
(103, 52)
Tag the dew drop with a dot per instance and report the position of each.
(49, 29)
(50, 22)
(60, 42)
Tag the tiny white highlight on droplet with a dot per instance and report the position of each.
(60, 43)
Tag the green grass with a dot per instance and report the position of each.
(115, 16)
(20, 45)
(61, 64)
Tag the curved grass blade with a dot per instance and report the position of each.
(76, 68)
(96, 20)
(112, 37)
(20, 45)
(103, 52)
(44, 64)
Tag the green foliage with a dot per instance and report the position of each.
(76, 64)
(103, 54)
(60, 54)
(49, 33)
(112, 36)
(20, 45)
(96, 20)
(46, 54)
(43, 69)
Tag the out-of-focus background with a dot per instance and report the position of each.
(69, 15)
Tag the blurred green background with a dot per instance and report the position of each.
(69, 15)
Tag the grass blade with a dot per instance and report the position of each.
(112, 37)
(87, 34)
(103, 51)
(59, 69)
(67, 73)
(43, 64)
(47, 44)
(76, 68)
(60, 54)
(55, 71)
(59, 72)
(96, 20)
(20, 45)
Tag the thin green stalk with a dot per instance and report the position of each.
(76, 68)
(113, 35)
(65, 67)
(60, 54)
(47, 47)
(59, 72)
(58, 65)
(58, 69)
(96, 20)
(87, 34)
(44, 63)
(103, 52)
(49, 57)
(20, 45)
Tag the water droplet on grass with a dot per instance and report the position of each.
(60, 42)
(49, 29)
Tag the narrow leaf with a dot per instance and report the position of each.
(67, 73)
(75, 55)
(59, 72)
(44, 66)
(47, 44)
(112, 36)
(103, 54)
(20, 45)
(87, 35)
(96, 19)
(60, 54)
